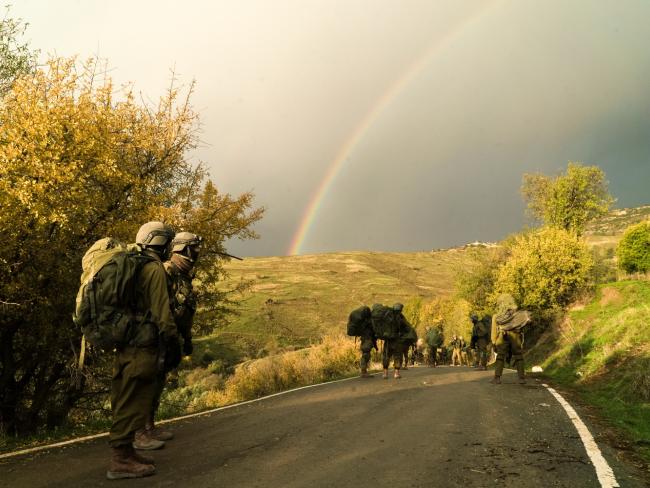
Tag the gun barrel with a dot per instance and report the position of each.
(230, 256)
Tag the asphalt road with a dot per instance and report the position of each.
(442, 427)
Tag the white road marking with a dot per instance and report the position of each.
(603, 470)
(175, 419)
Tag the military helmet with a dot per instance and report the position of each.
(473, 318)
(185, 239)
(398, 307)
(505, 303)
(154, 234)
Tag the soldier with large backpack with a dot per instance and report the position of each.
(434, 339)
(508, 337)
(123, 306)
(360, 325)
(180, 273)
(480, 340)
(390, 325)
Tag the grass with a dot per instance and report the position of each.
(298, 300)
(602, 351)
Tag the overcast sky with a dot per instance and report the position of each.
(434, 109)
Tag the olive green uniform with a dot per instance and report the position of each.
(183, 306)
(368, 341)
(481, 340)
(508, 343)
(456, 345)
(393, 349)
(135, 366)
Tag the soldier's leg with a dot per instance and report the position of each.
(132, 395)
(365, 358)
(517, 347)
(501, 345)
(397, 353)
(481, 353)
(385, 359)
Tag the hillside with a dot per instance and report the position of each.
(295, 300)
(607, 231)
(602, 349)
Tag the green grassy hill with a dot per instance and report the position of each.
(602, 350)
(296, 300)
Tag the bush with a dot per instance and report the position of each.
(546, 269)
(633, 250)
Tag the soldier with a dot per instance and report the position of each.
(137, 364)
(456, 347)
(180, 272)
(508, 337)
(394, 348)
(368, 343)
(480, 341)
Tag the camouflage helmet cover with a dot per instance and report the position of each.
(398, 307)
(184, 239)
(154, 234)
(505, 303)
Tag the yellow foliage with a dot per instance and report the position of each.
(545, 270)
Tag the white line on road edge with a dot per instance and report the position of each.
(189, 416)
(603, 470)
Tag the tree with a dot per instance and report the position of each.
(633, 250)
(16, 58)
(570, 200)
(78, 162)
(546, 269)
(476, 277)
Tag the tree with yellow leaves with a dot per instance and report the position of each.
(80, 161)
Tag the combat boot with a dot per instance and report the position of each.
(364, 373)
(158, 433)
(520, 371)
(496, 380)
(124, 465)
(145, 442)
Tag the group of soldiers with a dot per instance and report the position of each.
(394, 349)
(166, 302)
(499, 337)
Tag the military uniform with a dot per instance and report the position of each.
(183, 307)
(368, 342)
(481, 339)
(508, 337)
(393, 349)
(135, 367)
(456, 345)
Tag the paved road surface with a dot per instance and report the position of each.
(443, 427)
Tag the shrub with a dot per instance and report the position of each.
(633, 250)
(546, 269)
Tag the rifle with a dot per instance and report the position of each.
(225, 254)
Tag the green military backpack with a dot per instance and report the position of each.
(384, 322)
(408, 334)
(483, 327)
(106, 302)
(434, 338)
(359, 321)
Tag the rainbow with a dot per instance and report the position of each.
(311, 212)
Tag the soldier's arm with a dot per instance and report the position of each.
(158, 299)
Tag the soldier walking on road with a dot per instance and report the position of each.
(395, 346)
(137, 363)
(360, 325)
(480, 340)
(456, 344)
(508, 337)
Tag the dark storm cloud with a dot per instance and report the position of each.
(520, 86)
